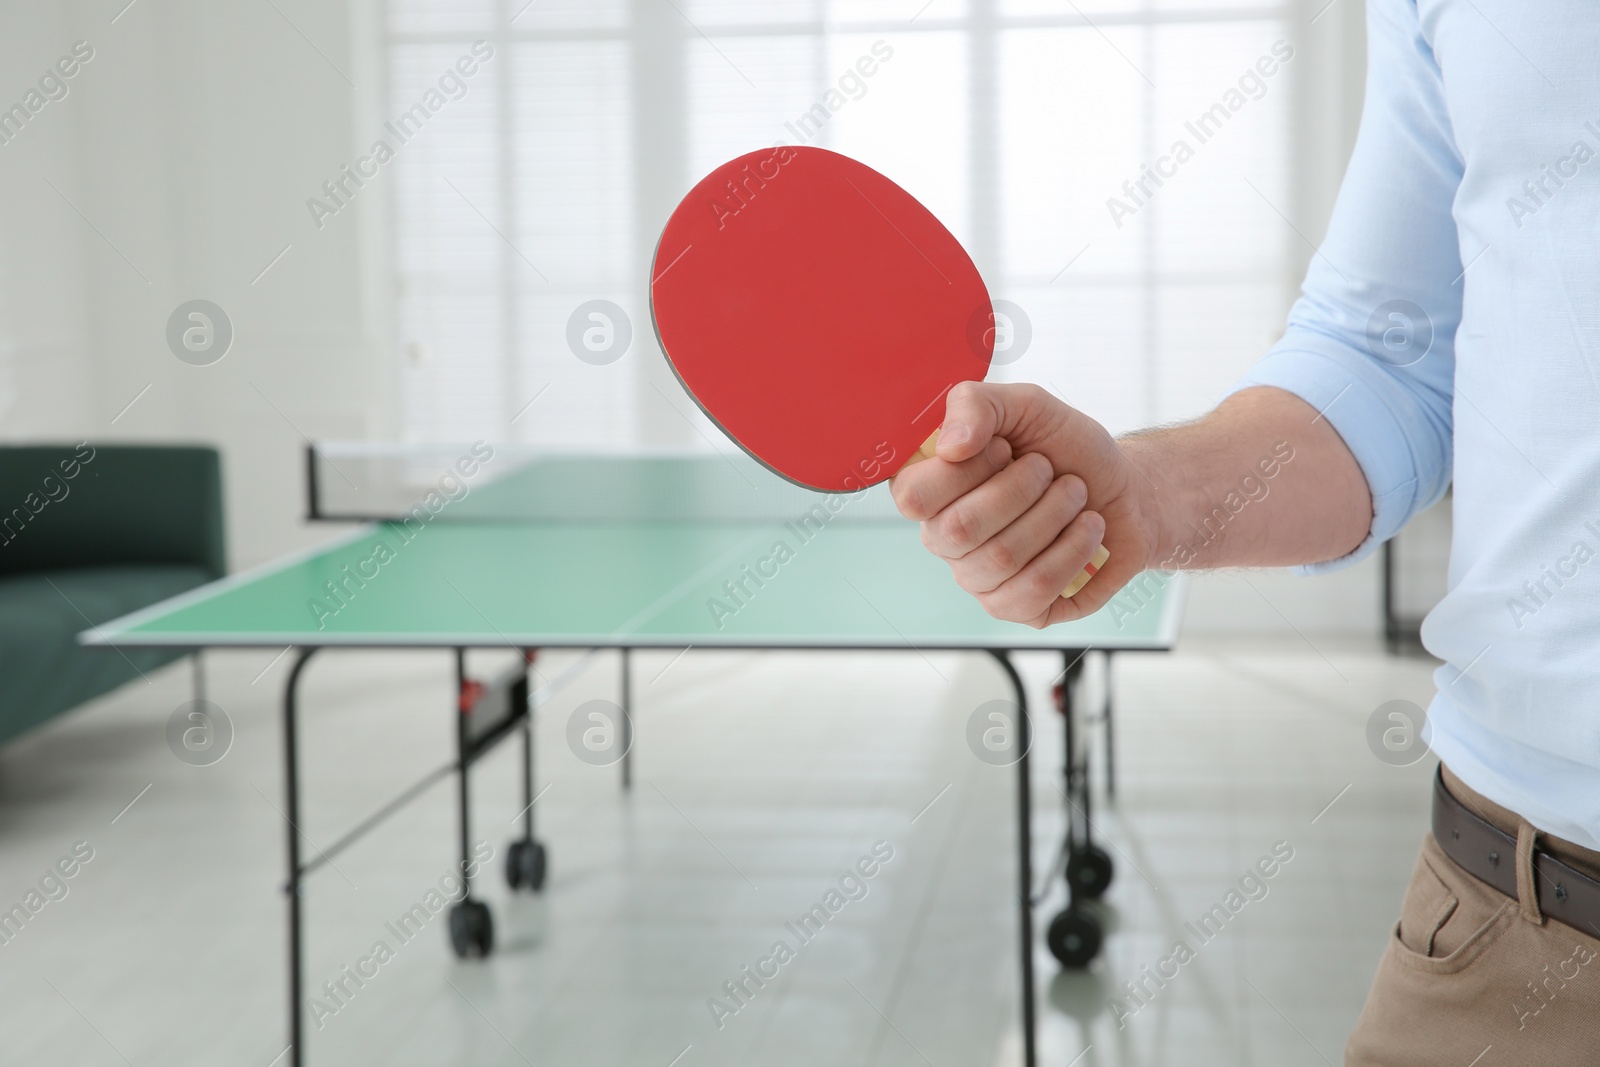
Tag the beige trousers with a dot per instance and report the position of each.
(1474, 978)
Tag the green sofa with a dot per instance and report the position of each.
(89, 533)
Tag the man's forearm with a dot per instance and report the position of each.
(1262, 481)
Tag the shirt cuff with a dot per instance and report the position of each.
(1349, 394)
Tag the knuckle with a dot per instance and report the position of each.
(968, 580)
(1036, 585)
(1000, 557)
(959, 527)
(906, 499)
(999, 607)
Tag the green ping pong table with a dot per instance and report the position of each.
(533, 551)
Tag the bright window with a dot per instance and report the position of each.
(1015, 121)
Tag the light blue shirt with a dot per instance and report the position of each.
(1454, 307)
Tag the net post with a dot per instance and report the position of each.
(312, 512)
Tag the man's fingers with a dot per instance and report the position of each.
(976, 411)
(1018, 563)
(1000, 557)
(1028, 595)
(977, 516)
(972, 415)
(926, 488)
(1105, 584)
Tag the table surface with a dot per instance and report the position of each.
(638, 552)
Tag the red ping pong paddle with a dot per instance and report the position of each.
(818, 314)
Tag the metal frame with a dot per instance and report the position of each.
(197, 674)
(1399, 633)
(1074, 768)
(471, 745)
(1402, 633)
(1024, 861)
(470, 749)
(313, 490)
(627, 718)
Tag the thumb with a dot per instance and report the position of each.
(977, 412)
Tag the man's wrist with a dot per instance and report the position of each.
(1152, 498)
(1260, 481)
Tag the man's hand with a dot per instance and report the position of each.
(1262, 481)
(1016, 533)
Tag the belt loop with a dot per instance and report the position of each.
(1527, 888)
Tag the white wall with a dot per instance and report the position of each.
(190, 143)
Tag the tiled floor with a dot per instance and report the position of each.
(760, 778)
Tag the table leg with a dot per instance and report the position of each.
(528, 656)
(1085, 792)
(462, 784)
(292, 887)
(199, 674)
(471, 924)
(1024, 859)
(627, 720)
(1076, 933)
(1069, 746)
(1111, 738)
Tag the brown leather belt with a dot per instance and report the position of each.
(1489, 854)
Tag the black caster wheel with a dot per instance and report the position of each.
(525, 865)
(471, 929)
(1089, 872)
(1074, 937)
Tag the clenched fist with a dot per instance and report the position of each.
(1021, 492)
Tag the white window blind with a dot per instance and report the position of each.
(1015, 121)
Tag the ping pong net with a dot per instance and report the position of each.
(361, 481)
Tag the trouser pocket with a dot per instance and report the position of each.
(1449, 918)
(1466, 976)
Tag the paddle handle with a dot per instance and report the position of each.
(1090, 569)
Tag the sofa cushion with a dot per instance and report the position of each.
(41, 614)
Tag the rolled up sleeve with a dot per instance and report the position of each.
(1371, 342)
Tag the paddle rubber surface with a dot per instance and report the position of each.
(817, 313)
